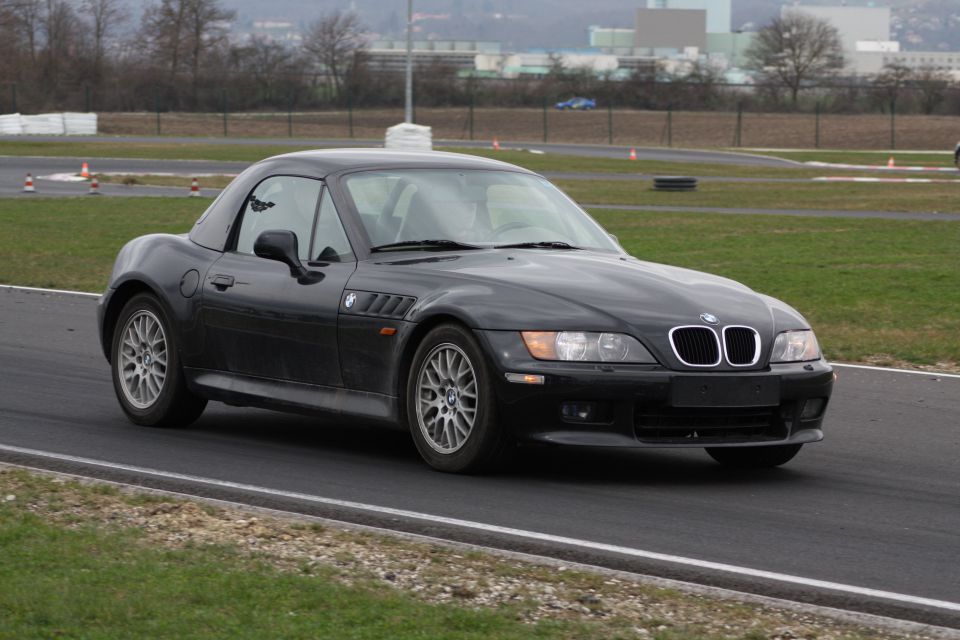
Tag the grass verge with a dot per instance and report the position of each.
(91, 560)
(932, 197)
(545, 163)
(165, 180)
(878, 158)
(879, 291)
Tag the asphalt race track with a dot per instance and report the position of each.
(874, 507)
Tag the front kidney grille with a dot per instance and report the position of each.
(742, 346)
(696, 346)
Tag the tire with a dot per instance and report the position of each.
(754, 457)
(440, 403)
(147, 377)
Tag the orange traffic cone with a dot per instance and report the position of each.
(890, 164)
(28, 185)
(633, 154)
(496, 145)
(85, 171)
(194, 189)
(94, 187)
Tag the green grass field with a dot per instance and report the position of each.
(878, 158)
(545, 163)
(932, 197)
(94, 582)
(875, 290)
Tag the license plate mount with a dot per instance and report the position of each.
(725, 391)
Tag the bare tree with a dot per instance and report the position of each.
(103, 18)
(59, 27)
(163, 30)
(207, 29)
(332, 41)
(932, 83)
(890, 82)
(181, 33)
(795, 49)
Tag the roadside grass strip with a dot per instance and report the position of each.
(882, 292)
(940, 198)
(96, 560)
(872, 159)
(532, 158)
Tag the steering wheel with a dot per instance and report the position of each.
(510, 226)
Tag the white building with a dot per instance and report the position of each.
(718, 11)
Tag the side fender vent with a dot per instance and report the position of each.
(375, 305)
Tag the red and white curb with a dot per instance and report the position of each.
(876, 167)
(884, 180)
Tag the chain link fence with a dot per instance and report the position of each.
(639, 113)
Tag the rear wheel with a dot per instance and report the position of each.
(451, 408)
(145, 363)
(754, 457)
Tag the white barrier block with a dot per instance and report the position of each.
(409, 136)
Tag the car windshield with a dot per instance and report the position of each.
(476, 207)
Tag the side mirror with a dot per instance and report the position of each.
(281, 245)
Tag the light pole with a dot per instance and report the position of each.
(408, 90)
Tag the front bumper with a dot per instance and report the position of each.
(651, 406)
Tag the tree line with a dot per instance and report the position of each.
(177, 55)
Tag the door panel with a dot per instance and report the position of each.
(270, 325)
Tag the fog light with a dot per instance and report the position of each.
(812, 409)
(579, 411)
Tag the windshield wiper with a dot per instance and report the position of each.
(428, 244)
(548, 244)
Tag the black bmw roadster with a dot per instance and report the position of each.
(467, 300)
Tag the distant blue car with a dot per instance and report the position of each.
(577, 104)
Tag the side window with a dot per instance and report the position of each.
(280, 202)
(330, 243)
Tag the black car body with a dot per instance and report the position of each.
(340, 332)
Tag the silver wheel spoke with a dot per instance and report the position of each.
(142, 359)
(447, 398)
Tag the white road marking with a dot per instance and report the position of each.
(934, 374)
(509, 531)
(41, 290)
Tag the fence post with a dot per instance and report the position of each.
(669, 125)
(13, 97)
(893, 123)
(350, 112)
(610, 122)
(223, 95)
(156, 106)
(544, 118)
(816, 132)
(470, 112)
(290, 117)
(739, 132)
(86, 98)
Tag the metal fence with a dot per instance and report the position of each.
(638, 114)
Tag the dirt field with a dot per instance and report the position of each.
(639, 128)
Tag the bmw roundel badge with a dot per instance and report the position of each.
(709, 318)
(349, 300)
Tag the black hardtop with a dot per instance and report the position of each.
(213, 228)
(326, 161)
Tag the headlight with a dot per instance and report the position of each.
(583, 346)
(795, 346)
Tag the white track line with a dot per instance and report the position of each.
(41, 290)
(934, 374)
(835, 364)
(509, 531)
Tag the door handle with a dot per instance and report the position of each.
(221, 281)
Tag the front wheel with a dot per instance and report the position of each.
(754, 457)
(451, 407)
(147, 377)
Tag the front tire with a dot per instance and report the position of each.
(451, 408)
(145, 366)
(754, 457)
